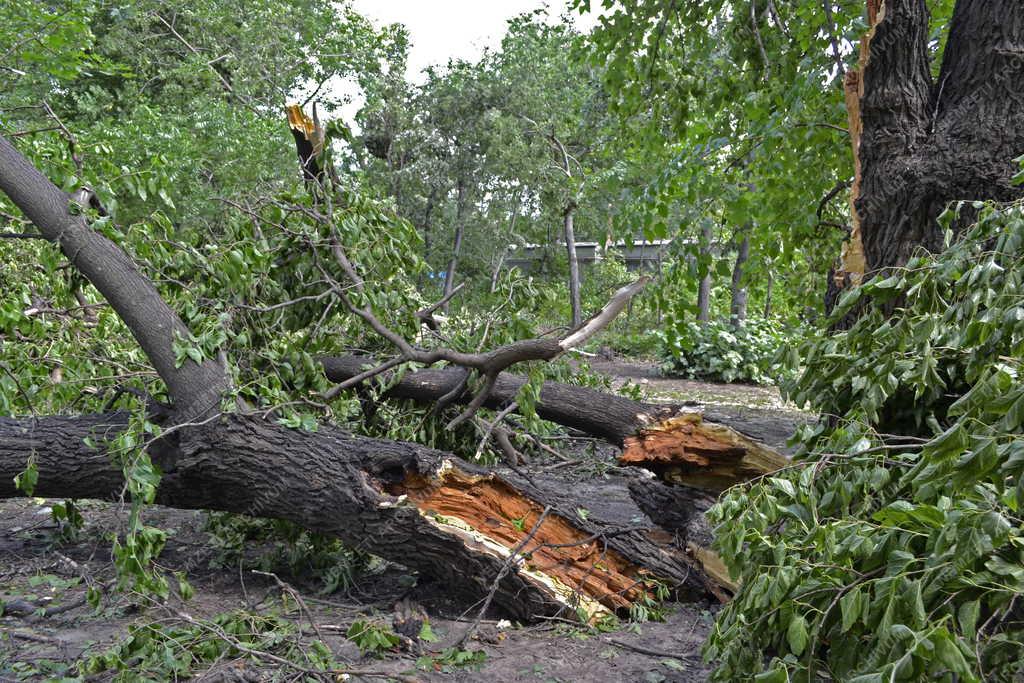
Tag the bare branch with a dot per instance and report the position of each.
(605, 316)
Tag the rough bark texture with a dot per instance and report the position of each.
(851, 262)
(423, 508)
(710, 450)
(928, 142)
(680, 509)
(196, 389)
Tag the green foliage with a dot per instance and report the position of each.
(651, 605)
(450, 659)
(721, 352)
(277, 545)
(159, 651)
(69, 520)
(882, 555)
(735, 114)
(372, 637)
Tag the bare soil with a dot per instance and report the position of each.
(38, 571)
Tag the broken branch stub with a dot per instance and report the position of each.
(679, 444)
(687, 449)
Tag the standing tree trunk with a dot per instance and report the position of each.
(768, 295)
(427, 214)
(453, 262)
(927, 142)
(516, 206)
(738, 307)
(574, 266)
(704, 289)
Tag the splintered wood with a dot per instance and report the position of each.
(490, 516)
(685, 449)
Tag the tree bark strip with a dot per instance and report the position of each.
(704, 288)
(574, 265)
(738, 305)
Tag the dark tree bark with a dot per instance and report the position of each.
(478, 531)
(422, 508)
(927, 142)
(704, 288)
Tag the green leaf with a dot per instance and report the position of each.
(796, 634)
(26, 481)
(967, 616)
(850, 605)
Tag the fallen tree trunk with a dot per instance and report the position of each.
(425, 509)
(680, 444)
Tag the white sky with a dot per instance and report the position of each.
(443, 29)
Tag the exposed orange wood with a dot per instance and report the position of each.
(497, 518)
(852, 261)
(298, 120)
(687, 450)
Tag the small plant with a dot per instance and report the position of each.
(163, 652)
(372, 638)
(452, 658)
(69, 521)
(651, 604)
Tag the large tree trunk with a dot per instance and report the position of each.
(574, 266)
(923, 142)
(195, 388)
(423, 508)
(480, 532)
(708, 450)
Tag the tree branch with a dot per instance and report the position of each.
(195, 388)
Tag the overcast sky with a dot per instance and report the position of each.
(443, 29)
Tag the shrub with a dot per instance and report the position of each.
(894, 548)
(718, 351)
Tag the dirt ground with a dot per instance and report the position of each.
(38, 571)
(647, 376)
